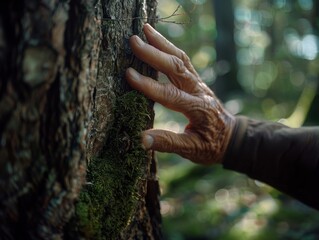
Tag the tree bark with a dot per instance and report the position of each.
(71, 162)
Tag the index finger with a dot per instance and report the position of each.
(160, 42)
(158, 59)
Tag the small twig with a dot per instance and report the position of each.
(163, 19)
(174, 14)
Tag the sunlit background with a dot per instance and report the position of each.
(261, 58)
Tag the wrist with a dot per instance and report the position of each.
(230, 123)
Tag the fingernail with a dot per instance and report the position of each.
(134, 74)
(150, 29)
(147, 141)
(139, 41)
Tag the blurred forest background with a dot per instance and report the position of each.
(261, 59)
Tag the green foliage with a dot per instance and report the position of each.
(276, 67)
(108, 200)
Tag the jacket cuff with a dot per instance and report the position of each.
(232, 154)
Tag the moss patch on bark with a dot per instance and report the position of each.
(108, 200)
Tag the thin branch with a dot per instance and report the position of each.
(163, 19)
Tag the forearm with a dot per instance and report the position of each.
(285, 158)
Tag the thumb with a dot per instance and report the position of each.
(167, 141)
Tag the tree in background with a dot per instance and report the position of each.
(211, 203)
(313, 116)
(71, 162)
(226, 83)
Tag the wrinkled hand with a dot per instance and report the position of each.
(207, 135)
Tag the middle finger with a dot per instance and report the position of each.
(170, 65)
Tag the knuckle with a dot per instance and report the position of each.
(178, 64)
(185, 57)
(169, 142)
(172, 93)
(176, 98)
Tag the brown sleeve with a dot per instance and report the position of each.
(285, 158)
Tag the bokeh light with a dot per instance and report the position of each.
(276, 57)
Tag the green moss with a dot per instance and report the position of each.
(106, 204)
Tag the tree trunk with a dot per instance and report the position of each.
(71, 162)
(313, 117)
(226, 65)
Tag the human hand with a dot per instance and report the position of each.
(207, 135)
